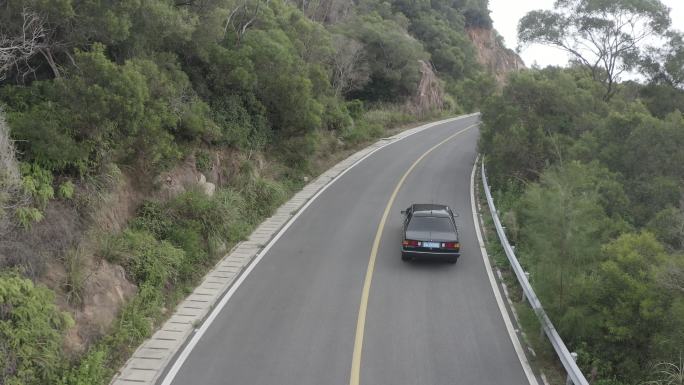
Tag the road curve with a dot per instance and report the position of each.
(293, 320)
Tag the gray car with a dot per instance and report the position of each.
(430, 233)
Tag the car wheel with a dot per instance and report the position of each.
(405, 257)
(452, 261)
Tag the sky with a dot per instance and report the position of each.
(507, 13)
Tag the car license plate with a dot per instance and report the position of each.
(431, 245)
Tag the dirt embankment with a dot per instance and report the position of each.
(493, 54)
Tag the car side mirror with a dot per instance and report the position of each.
(403, 212)
(455, 215)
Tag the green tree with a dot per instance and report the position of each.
(392, 54)
(450, 49)
(564, 226)
(631, 310)
(665, 64)
(106, 111)
(532, 123)
(668, 226)
(606, 37)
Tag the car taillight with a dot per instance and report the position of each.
(410, 243)
(451, 245)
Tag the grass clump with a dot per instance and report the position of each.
(75, 279)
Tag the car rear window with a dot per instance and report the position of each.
(433, 224)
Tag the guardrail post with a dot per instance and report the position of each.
(523, 298)
(568, 381)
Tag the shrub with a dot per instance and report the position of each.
(242, 121)
(90, 371)
(296, 152)
(203, 160)
(151, 262)
(336, 116)
(26, 216)
(31, 332)
(194, 223)
(262, 196)
(355, 108)
(362, 131)
(37, 182)
(155, 218)
(66, 190)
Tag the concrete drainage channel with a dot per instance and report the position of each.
(151, 360)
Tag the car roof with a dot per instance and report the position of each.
(429, 210)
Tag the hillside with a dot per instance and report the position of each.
(141, 140)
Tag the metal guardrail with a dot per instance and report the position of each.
(575, 375)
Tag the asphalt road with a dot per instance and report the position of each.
(293, 320)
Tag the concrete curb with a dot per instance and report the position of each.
(151, 358)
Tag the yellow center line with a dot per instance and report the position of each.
(361, 320)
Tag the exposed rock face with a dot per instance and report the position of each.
(493, 55)
(106, 291)
(183, 177)
(429, 95)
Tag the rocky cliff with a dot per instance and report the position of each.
(493, 54)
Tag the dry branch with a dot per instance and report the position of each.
(11, 193)
(33, 39)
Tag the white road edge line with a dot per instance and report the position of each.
(217, 310)
(499, 301)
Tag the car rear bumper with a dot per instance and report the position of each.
(430, 255)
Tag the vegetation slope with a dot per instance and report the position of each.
(588, 174)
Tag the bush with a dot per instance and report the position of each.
(242, 121)
(90, 371)
(149, 261)
(296, 152)
(31, 332)
(26, 216)
(336, 116)
(262, 196)
(66, 190)
(203, 160)
(196, 224)
(362, 131)
(37, 182)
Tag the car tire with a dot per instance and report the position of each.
(452, 261)
(405, 257)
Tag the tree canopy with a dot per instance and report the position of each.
(606, 37)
